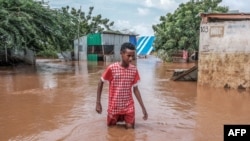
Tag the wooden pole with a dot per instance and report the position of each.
(78, 30)
(6, 53)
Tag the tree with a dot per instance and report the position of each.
(180, 30)
(27, 24)
(87, 22)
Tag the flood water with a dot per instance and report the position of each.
(56, 102)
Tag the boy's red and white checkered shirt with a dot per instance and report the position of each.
(121, 80)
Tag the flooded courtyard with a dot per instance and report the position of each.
(55, 101)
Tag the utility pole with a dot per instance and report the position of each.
(6, 52)
(78, 30)
(3, 39)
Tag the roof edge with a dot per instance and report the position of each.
(208, 17)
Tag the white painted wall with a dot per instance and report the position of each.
(224, 54)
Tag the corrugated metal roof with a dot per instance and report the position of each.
(118, 33)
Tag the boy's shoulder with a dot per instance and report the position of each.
(115, 64)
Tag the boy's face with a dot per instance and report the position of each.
(127, 56)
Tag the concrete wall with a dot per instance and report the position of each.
(224, 54)
(26, 55)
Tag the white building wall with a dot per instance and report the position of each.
(224, 54)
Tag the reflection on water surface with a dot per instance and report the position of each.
(56, 101)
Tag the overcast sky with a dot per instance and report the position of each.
(137, 15)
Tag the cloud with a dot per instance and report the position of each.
(166, 5)
(144, 29)
(149, 3)
(166, 2)
(123, 25)
(142, 11)
(126, 27)
(236, 5)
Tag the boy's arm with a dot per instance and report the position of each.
(98, 97)
(138, 97)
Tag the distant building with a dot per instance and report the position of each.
(224, 50)
(103, 46)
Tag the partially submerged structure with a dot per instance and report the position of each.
(224, 50)
(103, 46)
(185, 74)
(17, 56)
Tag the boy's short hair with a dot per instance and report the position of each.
(127, 45)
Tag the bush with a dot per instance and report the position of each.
(48, 54)
(162, 54)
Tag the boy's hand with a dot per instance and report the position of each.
(98, 107)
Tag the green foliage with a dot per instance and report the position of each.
(180, 30)
(49, 53)
(27, 24)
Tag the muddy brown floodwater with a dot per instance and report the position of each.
(55, 101)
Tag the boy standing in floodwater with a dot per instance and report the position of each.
(122, 77)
